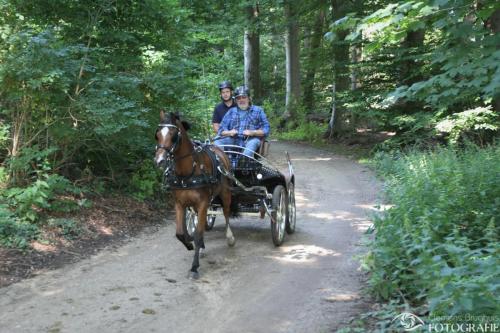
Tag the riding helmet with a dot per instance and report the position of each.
(225, 84)
(242, 91)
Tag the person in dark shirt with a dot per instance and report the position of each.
(220, 110)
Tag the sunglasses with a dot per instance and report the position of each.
(241, 97)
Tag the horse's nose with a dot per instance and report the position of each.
(161, 162)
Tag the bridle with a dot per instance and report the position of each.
(176, 140)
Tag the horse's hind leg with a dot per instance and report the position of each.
(226, 207)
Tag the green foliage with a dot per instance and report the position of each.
(4, 176)
(145, 181)
(477, 125)
(305, 131)
(4, 135)
(437, 246)
(413, 130)
(69, 228)
(31, 161)
(13, 232)
(24, 206)
(27, 201)
(437, 57)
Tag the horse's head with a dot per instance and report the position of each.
(168, 136)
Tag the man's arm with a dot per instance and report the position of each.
(232, 132)
(257, 132)
(224, 126)
(216, 126)
(265, 127)
(216, 119)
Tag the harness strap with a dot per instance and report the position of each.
(195, 181)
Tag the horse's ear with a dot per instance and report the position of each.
(173, 118)
(162, 115)
(186, 125)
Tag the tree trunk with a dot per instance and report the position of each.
(494, 25)
(357, 50)
(292, 63)
(315, 42)
(341, 78)
(356, 58)
(413, 40)
(251, 52)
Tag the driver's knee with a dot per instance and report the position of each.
(251, 146)
(227, 141)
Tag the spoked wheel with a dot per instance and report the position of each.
(291, 211)
(279, 212)
(210, 222)
(190, 222)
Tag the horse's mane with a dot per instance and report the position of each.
(174, 117)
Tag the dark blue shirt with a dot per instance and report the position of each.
(220, 111)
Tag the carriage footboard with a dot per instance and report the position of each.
(262, 189)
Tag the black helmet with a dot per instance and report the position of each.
(225, 84)
(242, 91)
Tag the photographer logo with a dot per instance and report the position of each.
(408, 321)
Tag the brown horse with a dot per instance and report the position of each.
(194, 178)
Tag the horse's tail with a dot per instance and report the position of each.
(234, 208)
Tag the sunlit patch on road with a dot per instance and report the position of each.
(316, 159)
(302, 202)
(341, 297)
(377, 208)
(304, 253)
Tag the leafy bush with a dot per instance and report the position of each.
(145, 181)
(415, 130)
(306, 131)
(4, 135)
(68, 227)
(41, 194)
(24, 204)
(4, 176)
(30, 162)
(437, 246)
(27, 201)
(477, 125)
(13, 232)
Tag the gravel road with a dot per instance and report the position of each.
(311, 283)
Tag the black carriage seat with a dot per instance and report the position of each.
(264, 147)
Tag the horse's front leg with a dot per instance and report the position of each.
(198, 239)
(179, 230)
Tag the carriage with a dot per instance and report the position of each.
(207, 181)
(258, 189)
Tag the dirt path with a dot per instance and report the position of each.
(310, 284)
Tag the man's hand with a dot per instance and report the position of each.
(232, 132)
(248, 132)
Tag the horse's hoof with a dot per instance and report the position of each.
(190, 246)
(231, 241)
(193, 275)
